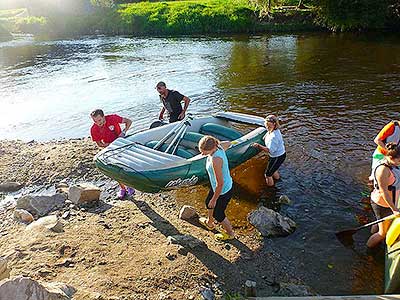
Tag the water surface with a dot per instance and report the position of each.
(333, 94)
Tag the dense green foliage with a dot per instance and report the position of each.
(344, 15)
(199, 16)
(188, 17)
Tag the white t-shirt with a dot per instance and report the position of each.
(274, 142)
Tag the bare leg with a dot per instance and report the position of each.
(122, 186)
(276, 175)
(378, 237)
(210, 218)
(227, 226)
(269, 180)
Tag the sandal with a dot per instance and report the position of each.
(203, 221)
(223, 236)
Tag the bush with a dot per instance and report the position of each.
(346, 15)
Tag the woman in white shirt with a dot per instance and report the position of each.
(275, 147)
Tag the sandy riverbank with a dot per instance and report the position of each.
(119, 249)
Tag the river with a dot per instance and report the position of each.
(332, 92)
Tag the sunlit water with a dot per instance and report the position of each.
(332, 92)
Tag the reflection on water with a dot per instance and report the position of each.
(332, 92)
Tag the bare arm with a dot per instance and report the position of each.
(260, 147)
(127, 123)
(185, 107)
(225, 144)
(217, 167)
(379, 142)
(161, 115)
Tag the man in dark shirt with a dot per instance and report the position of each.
(171, 101)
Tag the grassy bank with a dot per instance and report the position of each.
(168, 18)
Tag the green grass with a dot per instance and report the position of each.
(158, 18)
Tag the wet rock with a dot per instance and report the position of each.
(207, 293)
(284, 200)
(250, 288)
(186, 241)
(50, 223)
(23, 216)
(84, 193)
(271, 223)
(9, 187)
(41, 205)
(4, 270)
(25, 288)
(187, 212)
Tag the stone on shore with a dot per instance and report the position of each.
(46, 223)
(10, 186)
(185, 240)
(25, 288)
(40, 206)
(271, 223)
(294, 290)
(188, 212)
(84, 193)
(23, 216)
(4, 270)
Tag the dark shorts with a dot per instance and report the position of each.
(173, 117)
(220, 206)
(380, 211)
(273, 164)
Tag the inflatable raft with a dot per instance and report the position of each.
(167, 157)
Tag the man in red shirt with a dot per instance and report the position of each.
(104, 131)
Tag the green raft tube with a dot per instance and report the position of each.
(167, 157)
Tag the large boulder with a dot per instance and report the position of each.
(270, 223)
(46, 223)
(84, 193)
(25, 288)
(10, 186)
(187, 212)
(40, 206)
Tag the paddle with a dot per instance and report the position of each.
(341, 235)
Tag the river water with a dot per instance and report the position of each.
(333, 94)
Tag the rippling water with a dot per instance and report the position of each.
(332, 92)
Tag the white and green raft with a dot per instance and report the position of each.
(167, 157)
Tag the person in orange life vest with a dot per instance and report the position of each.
(385, 196)
(389, 134)
(171, 101)
(104, 131)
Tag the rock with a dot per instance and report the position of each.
(84, 193)
(186, 241)
(294, 290)
(50, 222)
(62, 187)
(9, 187)
(271, 223)
(284, 200)
(187, 212)
(41, 205)
(4, 270)
(25, 288)
(207, 293)
(250, 288)
(24, 216)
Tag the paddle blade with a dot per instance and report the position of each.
(345, 233)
